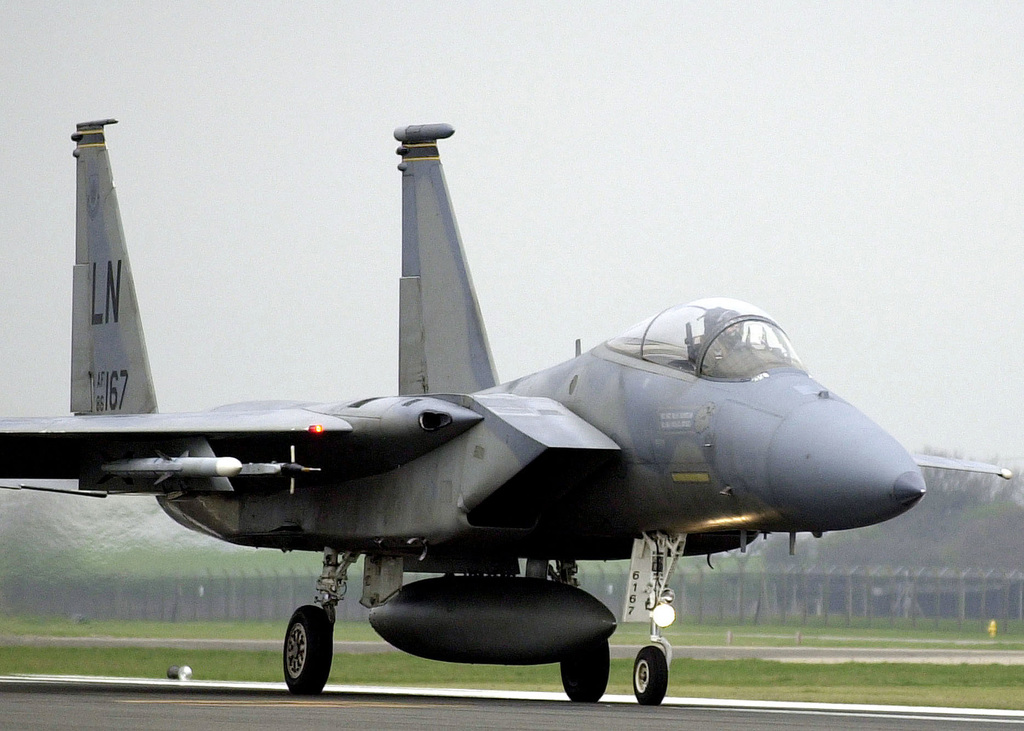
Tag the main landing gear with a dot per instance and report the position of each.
(585, 673)
(309, 641)
(308, 650)
(654, 556)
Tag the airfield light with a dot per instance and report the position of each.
(316, 428)
(663, 615)
(179, 672)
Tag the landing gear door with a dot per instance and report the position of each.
(382, 578)
(641, 579)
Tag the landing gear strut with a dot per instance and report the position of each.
(309, 641)
(654, 557)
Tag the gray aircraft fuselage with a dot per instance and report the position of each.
(777, 454)
(703, 457)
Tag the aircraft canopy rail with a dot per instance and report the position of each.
(712, 338)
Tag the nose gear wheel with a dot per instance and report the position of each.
(650, 675)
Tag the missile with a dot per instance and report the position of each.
(164, 467)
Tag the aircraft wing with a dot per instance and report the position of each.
(143, 450)
(62, 487)
(961, 465)
(205, 423)
(523, 453)
(261, 444)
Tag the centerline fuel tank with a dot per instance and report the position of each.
(499, 620)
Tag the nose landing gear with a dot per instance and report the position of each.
(650, 675)
(654, 556)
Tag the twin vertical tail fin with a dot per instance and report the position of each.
(109, 366)
(442, 341)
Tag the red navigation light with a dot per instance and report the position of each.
(316, 428)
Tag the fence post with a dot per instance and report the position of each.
(721, 597)
(803, 584)
(868, 598)
(849, 597)
(700, 594)
(1020, 599)
(961, 601)
(762, 596)
(913, 598)
(1005, 594)
(783, 579)
(826, 596)
(739, 594)
(984, 595)
(893, 608)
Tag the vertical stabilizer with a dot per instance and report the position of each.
(109, 366)
(442, 341)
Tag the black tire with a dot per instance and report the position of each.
(585, 674)
(650, 676)
(308, 650)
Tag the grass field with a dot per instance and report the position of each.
(973, 637)
(987, 686)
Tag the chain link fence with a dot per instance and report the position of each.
(735, 595)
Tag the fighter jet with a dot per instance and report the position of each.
(693, 432)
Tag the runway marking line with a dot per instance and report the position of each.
(283, 703)
(962, 715)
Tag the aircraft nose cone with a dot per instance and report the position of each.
(830, 468)
(908, 488)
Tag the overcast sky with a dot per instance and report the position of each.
(854, 169)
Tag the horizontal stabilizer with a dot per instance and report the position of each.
(961, 465)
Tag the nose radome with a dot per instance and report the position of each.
(908, 488)
(831, 468)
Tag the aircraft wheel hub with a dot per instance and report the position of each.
(642, 675)
(296, 649)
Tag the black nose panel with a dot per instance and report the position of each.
(908, 488)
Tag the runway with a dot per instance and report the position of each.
(52, 702)
(828, 655)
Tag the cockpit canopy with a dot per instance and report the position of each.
(713, 338)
